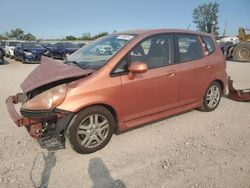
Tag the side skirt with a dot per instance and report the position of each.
(157, 116)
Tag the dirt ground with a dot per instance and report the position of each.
(194, 149)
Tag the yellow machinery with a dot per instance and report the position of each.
(243, 36)
(241, 51)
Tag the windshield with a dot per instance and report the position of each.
(31, 45)
(97, 53)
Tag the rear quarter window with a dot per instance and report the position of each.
(209, 43)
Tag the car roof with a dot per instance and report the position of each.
(158, 31)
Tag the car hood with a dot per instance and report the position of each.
(50, 71)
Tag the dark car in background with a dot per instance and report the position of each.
(60, 50)
(2, 44)
(1, 54)
(29, 52)
(47, 46)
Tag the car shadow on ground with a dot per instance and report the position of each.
(100, 175)
(49, 162)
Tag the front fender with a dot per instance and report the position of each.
(94, 90)
(76, 104)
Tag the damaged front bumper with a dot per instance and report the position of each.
(46, 126)
(242, 95)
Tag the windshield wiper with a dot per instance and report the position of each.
(80, 64)
(73, 63)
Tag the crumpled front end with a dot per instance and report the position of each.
(46, 126)
(43, 91)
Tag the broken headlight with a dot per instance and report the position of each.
(47, 100)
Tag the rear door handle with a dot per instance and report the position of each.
(170, 74)
(203, 68)
(208, 67)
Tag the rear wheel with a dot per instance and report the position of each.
(91, 130)
(212, 97)
(242, 52)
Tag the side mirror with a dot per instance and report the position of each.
(136, 68)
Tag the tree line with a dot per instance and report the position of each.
(205, 16)
(86, 36)
(19, 34)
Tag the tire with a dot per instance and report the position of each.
(211, 103)
(242, 52)
(84, 135)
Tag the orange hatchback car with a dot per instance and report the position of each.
(118, 82)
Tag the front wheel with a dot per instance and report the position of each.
(91, 130)
(212, 97)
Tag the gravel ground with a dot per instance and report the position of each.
(194, 149)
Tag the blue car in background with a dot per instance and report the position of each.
(29, 52)
(60, 50)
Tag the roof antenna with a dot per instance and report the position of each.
(188, 26)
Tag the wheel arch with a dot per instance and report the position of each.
(108, 107)
(221, 84)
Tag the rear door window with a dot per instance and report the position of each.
(209, 44)
(188, 47)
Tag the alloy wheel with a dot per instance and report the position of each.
(93, 131)
(213, 96)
